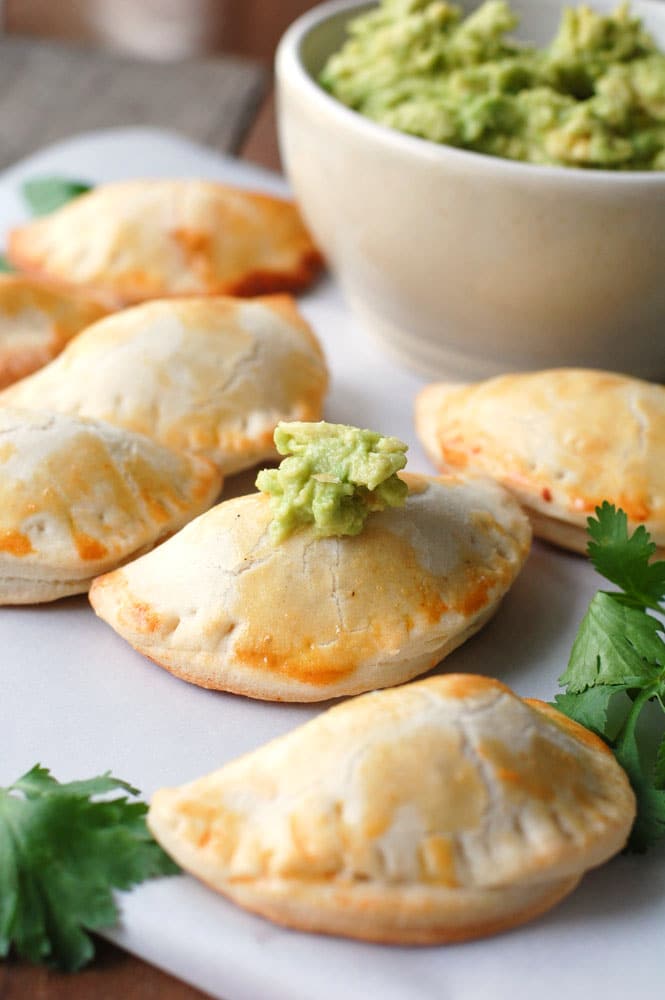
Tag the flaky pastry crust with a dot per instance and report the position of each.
(212, 376)
(440, 811)
(562, 441)
(79, 497)
(311, 618)
(36, 322)
(148, 239)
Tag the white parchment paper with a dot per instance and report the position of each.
(75, 697)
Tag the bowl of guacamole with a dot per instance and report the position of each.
(593, 97)
(487, 178)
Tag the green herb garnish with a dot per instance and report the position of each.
(617, 664)
(45, 194)
(61, 855)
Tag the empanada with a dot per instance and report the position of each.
(444, 810)
(148, 239)
(311, 618)
(79, 497)
(209, 375)
(36, 322)
(562, 441)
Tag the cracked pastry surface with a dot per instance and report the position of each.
(222, 606)
(440, 811)
(561, 440)
(148, 239)
(209, 375)
(79, 497)
(36, 322)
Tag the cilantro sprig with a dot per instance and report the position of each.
(617, 664)
(46, 194)
(62, 852)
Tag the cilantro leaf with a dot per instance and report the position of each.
(61, 854)
(659, 766)
(619, 647)
(46, 194)
(623, 560)
(650, 822)
(649, 826)
(590, 707)
(615, 644)
(39, 780)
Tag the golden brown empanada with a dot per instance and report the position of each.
(311, 618)
(148, 239)
(36, 322)
(440, 811)
(208, 375)
(562, 441)
(79, 497)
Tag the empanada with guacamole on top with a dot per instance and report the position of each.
(337, 577)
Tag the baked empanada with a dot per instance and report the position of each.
(79, 497)
(208, 375)
(148, 239)
(311, 618)
(36, 322)
(444, 810)
(562, 441)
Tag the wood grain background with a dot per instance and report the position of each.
(245, 27)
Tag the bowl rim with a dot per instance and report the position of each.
(288, 63)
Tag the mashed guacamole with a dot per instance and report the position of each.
(595, 97)
(332, 478)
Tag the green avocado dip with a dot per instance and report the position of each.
(332, 478)
(595, 97)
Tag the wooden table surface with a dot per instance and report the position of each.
(231, 124)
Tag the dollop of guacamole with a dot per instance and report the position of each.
(595, 97)
(333, 477)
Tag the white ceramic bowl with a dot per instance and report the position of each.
(465, 264)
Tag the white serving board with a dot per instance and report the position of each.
(77, 698)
